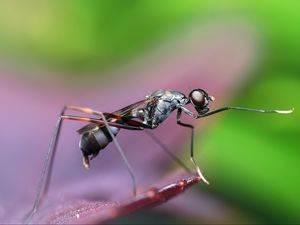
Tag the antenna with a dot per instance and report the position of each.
(247, 110)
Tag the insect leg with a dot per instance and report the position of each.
(244, 109)
(91, 111)
(179, 111)
(44, 179)
(156, 139)
(45, 176)
(130, 170)
(101, 122)
(168, 151)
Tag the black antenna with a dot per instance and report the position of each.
(247, 110)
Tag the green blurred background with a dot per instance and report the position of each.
(252, 161)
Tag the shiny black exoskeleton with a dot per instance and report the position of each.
(92, 141)
(145, 114)
(152, 112)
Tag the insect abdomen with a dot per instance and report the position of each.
(93, 141)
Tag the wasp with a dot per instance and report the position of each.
(146, 114)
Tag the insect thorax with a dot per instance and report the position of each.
(167, 101)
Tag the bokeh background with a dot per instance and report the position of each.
(106, 54)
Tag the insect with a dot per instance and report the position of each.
(146, 114)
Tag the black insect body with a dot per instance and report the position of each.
(165, 103)
(146, 114)
(151, 112)
(93, 141)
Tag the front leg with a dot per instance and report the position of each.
(186, 111)
(179, 111)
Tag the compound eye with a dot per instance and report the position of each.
(197, 98)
